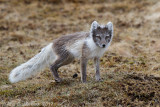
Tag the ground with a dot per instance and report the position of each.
(130, 69)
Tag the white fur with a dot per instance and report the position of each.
(35, 64)
(76, 48)
(94, 49)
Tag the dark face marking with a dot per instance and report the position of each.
(102, 36)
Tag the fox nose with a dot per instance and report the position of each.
(103, 45)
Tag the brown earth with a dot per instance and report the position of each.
(130, 68)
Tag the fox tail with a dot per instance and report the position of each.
(34, 65)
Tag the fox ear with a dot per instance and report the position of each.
(94, 25)
(110, 26)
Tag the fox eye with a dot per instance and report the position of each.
(98, 37)
(107, 39)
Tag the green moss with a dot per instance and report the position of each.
(4, 80)
(7, 93)
(20, 91)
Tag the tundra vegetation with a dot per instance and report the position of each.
(130, 68)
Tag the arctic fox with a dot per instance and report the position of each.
(82, 45)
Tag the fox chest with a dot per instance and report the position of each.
(96, 53)
(94, 50)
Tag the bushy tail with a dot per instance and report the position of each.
(35, 64)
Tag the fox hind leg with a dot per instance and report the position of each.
(63, 59)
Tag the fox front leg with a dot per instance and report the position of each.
(97, 73)
(83, 69)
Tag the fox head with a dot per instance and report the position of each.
(102, 34)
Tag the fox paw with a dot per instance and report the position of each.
(58, 80)
(98, 79)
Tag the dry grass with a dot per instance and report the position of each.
(130, 68)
